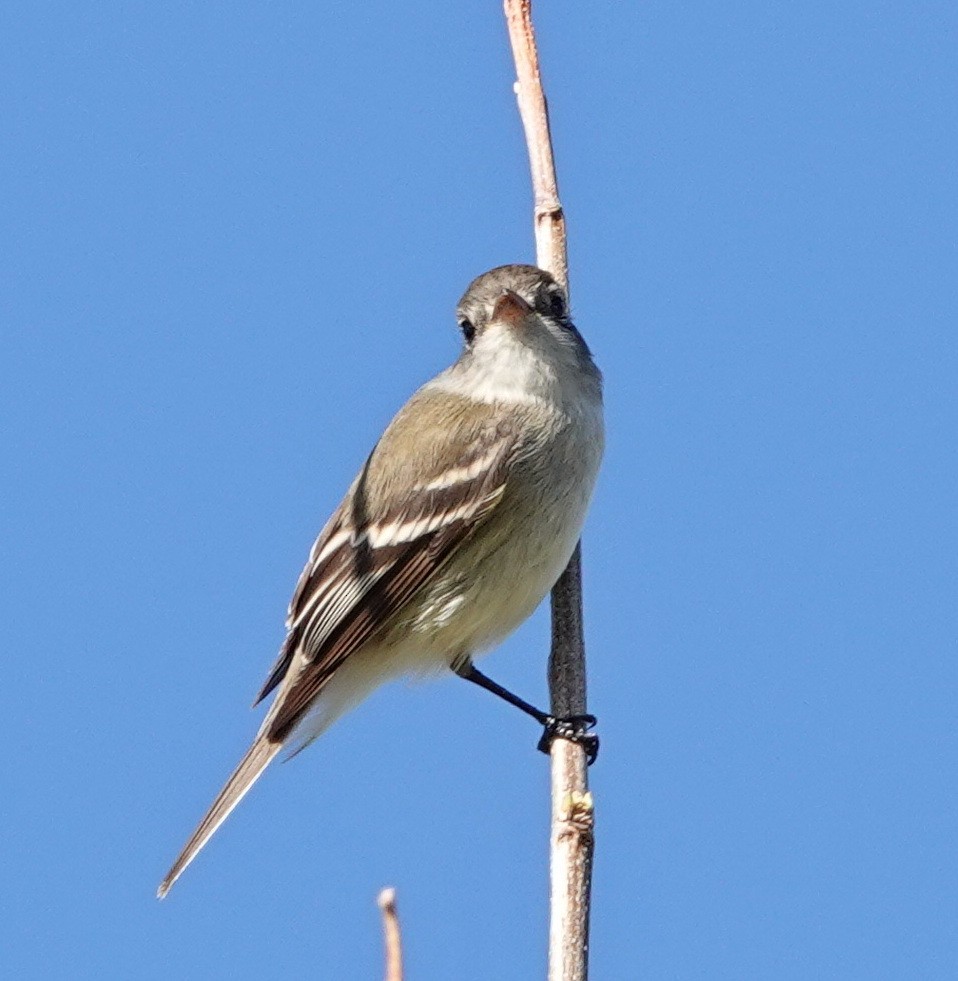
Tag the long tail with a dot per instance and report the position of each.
(257, 758)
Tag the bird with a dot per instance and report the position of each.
(460, 521)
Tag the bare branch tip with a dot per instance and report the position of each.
(387, 899)
(393, 941)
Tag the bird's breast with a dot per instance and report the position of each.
(498, 579)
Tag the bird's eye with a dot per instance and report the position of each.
(552, 303)
(467, 328)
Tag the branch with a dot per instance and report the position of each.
(391, 935)
(572, 837)
(547, 215)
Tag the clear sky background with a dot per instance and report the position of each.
(232, 239)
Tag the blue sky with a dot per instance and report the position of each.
(233, 237)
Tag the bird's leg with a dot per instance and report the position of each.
(575, 728)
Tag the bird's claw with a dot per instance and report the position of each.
(575, 728)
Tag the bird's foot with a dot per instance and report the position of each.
(575, 728)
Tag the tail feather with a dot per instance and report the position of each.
(257, 758)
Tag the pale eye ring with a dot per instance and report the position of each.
(467, 328)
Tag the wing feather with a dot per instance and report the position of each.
(363, 570)
(357, 621)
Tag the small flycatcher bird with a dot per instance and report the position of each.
(461, 520)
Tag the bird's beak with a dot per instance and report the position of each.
(510, 309)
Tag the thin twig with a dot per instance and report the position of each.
(547, 214)
(572, 836)
(391, 935)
